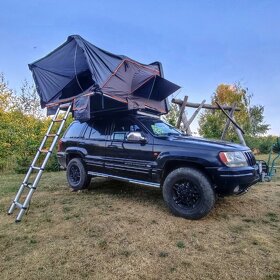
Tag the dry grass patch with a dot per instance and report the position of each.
(121, 231)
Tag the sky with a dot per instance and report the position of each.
(201, 44)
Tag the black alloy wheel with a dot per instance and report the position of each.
(77, 176)
(74, 175)
(188, 193)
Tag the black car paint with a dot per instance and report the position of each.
(151, 160)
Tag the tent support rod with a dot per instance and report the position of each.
(152, 88)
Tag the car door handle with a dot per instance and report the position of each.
(113, 146)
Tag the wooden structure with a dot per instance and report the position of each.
(227, 110)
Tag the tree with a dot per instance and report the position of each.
(21, 125)
(172, 115)
(27, 101)
(5, 94)
(249, 117)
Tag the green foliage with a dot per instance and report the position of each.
(22, 128)
(261, 144)
(28, 101)
(249, 117)
(172, 115)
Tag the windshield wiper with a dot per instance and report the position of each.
(169, 134)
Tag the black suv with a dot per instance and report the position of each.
(142, 149)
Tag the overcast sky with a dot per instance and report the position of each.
(200, 43)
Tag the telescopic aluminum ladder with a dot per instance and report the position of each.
(60, 116)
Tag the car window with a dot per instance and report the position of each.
(122, 127)
(87, 133)
(160, 128)
(98, 130)
(75, 129)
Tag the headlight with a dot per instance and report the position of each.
(233, 159)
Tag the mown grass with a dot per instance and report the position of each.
(121, 231)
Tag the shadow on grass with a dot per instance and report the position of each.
(125, 190)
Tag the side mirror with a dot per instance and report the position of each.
(135, 137)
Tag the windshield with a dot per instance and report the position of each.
(160, 128)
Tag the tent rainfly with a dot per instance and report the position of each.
(98, 81)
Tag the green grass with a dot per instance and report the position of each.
(181, 244)
(122, 231)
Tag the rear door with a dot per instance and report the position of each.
(93, 141)
(126, 159)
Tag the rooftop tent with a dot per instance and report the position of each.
(99, 80)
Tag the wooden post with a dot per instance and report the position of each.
(239, 134)
(205, 106)
(181, 112)
(239, 131)
(194, 115)
(230, 118)
(228, 121)
(183, 117)
(185, 121)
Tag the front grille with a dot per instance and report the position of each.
(250, 158)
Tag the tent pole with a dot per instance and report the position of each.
(152, 87)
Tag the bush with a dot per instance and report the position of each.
(53, 164)
(23, 163)
(262, 144)
(265, 147)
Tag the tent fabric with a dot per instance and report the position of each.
(78, 67)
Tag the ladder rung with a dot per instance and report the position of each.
(58, 120)
(45, 151)
(28, 185)
(19, 205)
(51, 135)
(37, 168)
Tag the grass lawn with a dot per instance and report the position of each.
(121, 231)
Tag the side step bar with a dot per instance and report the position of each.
(133, 181)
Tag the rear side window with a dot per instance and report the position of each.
(96, 130)
(87, 133)
(75, 129)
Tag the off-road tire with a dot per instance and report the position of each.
(76, 174)
(196, 196)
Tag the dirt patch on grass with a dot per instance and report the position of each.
(121, 231)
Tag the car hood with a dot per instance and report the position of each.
(207, 143)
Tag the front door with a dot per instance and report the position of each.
(127, 159)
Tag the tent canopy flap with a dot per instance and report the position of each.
(77, 66)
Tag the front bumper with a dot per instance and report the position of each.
(230, 181)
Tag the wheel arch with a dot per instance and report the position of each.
(73, 154)
(171, 165)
